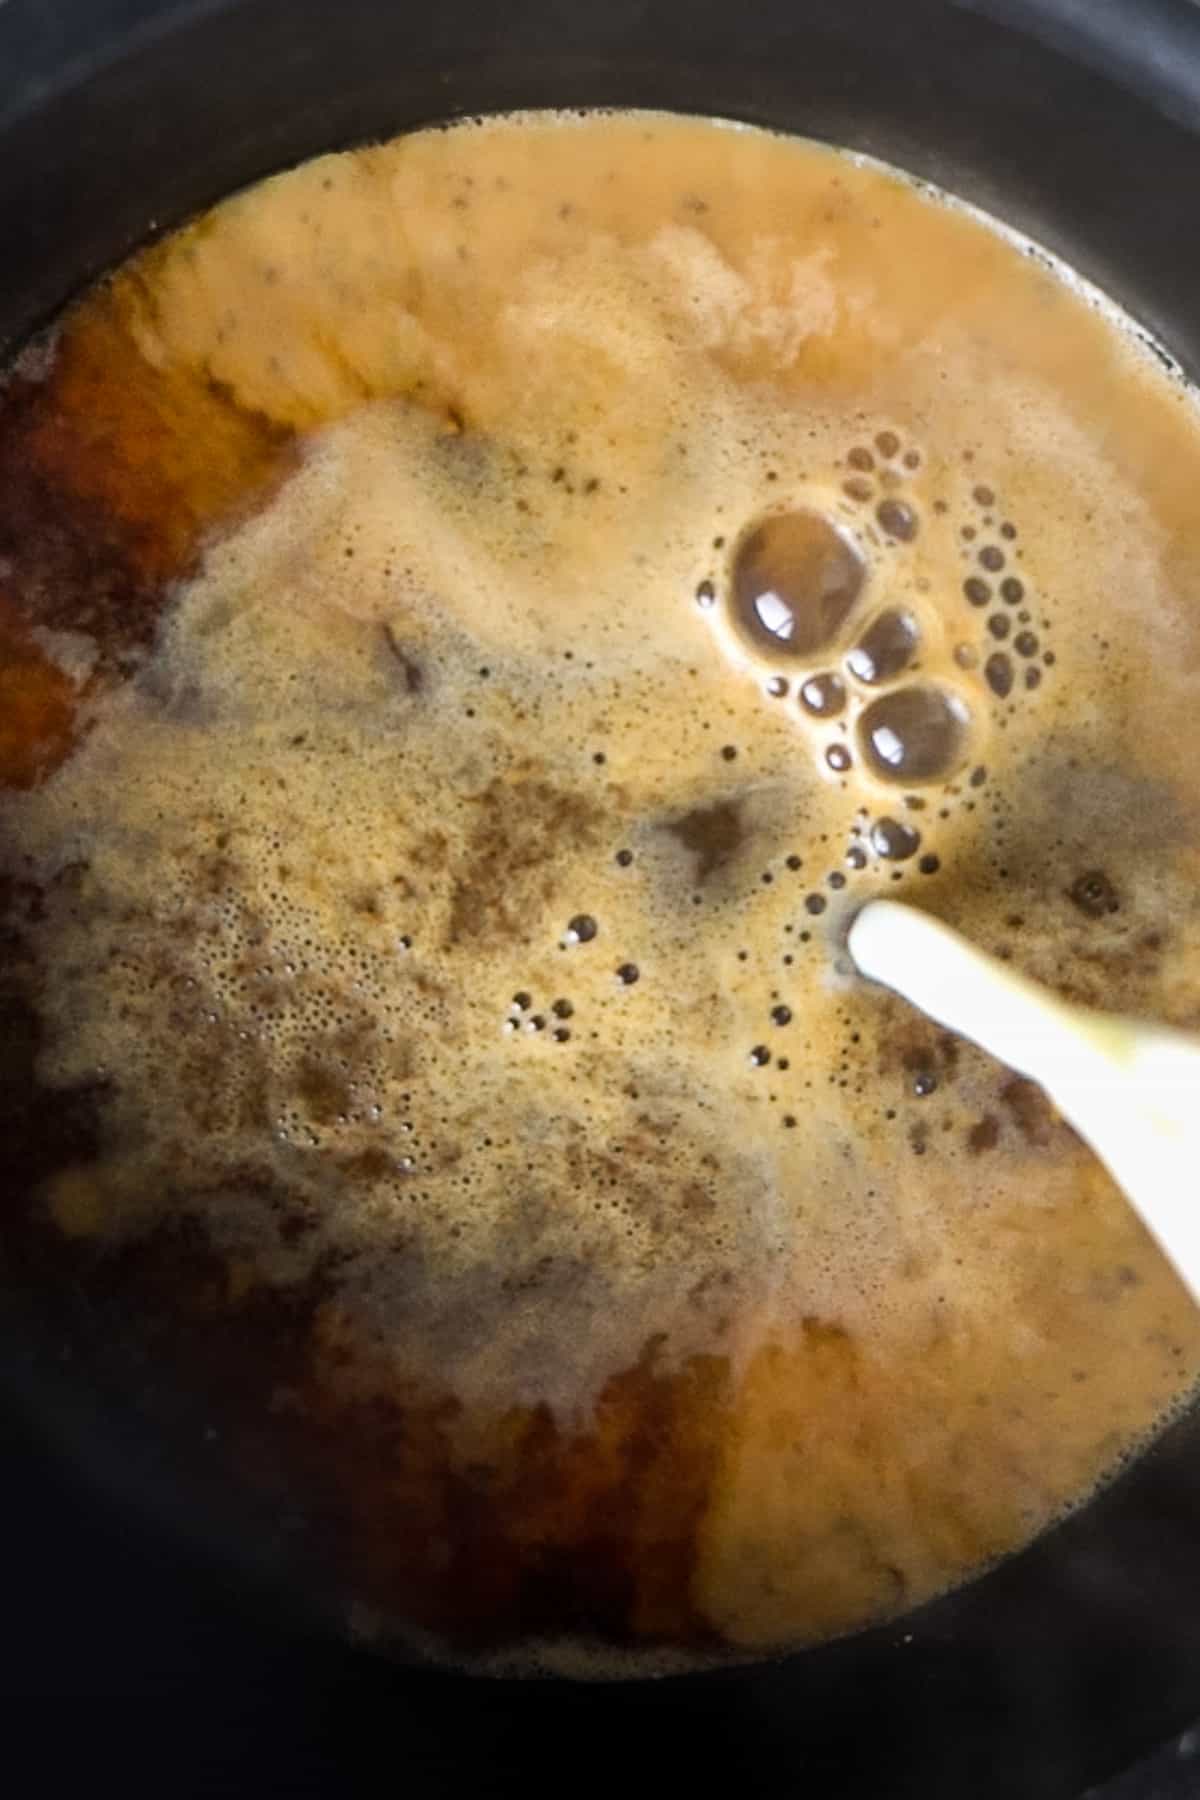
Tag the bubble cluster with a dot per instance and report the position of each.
(804, 586)
(525, 1020)
(1002, 675)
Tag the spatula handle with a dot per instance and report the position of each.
(1131, 1090)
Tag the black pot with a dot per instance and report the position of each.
(1078, 121)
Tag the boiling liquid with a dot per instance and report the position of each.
(563, 567)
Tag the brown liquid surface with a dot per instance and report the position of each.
(476, 615)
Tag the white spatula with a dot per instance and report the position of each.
(1131, 1090)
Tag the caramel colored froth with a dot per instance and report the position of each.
(479, 613)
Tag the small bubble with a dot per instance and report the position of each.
(728, 752)
(856, 857)
(562, 1035)
(706, 596)
(1012, 591)
(898, 519)
(858, 488)
(1033, 678)
(789, 1121)
(794, 862)
(860, 458)
(777, 687)
(965, 656)
(535, 1022)
(1008, 530)
(998, 625)
(582, 929)
(838, 758)
(1094, 894)
(814, 903)
(887, 443)
(978, 775)
(522, 1001)
(624, 858)
(836, 879)
(998, 672)
(1025, 643)
(781, 1015)
(885, 648)
(760, 1056)
(924, 1084)
(894, 840)
(977, 590)
(929, 864)
(627, 973)
(562, 1009)
(823, 696)
(914, 734)
(912, 459)
(991, 558)
(984, 496)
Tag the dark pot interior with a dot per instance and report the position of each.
(1076, 120)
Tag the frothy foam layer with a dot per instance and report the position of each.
(449, 906)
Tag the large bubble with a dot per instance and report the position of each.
(916, 734)
(795, 581)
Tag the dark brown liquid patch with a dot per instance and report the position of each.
(713, 834)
